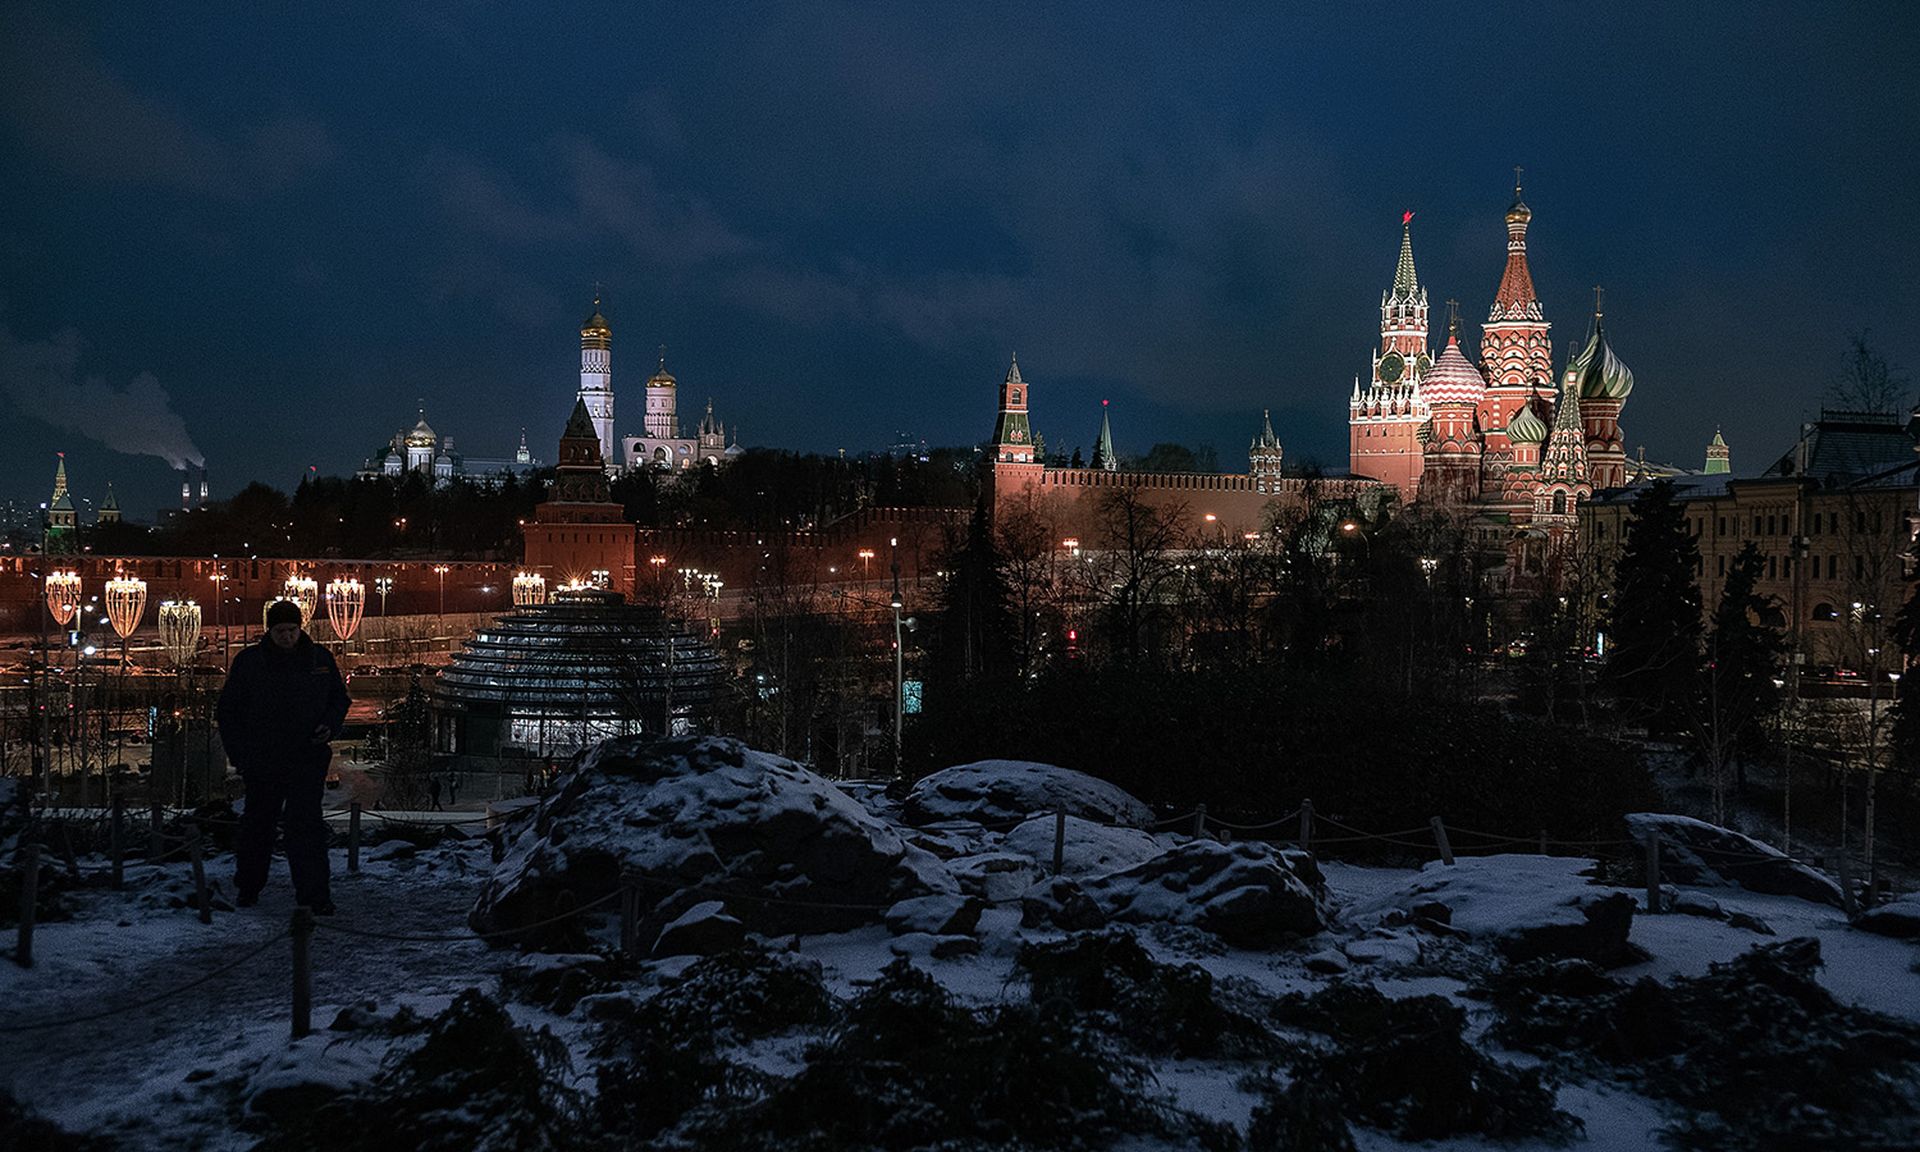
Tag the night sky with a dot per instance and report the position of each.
(259, 232)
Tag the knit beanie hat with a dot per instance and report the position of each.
(283, 612)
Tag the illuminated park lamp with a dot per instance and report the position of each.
(180, 630)
(346, 604)
(1211, 518)
(126, 604)
(529, 589)
(63, 596)
(304, 592)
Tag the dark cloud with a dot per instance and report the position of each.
(73, 110)
(844, 217)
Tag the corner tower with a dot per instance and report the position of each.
(1386, 422)
(1015, 467)
(596, 380)
(1012, 434)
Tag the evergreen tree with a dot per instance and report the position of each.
(1738, 695)
(974, 625)
(1905, 737)
(1654, 665)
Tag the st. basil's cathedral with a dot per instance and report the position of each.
(1497, 441)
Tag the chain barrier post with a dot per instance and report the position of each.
(1199, 821)
(1306, 825)
(1059, 842)
(156, 839)
(29, 893)
(1543, 841)
(67, 852)
(199, 873)
(1653, 872)
(302, 971)
(1440, 841)
(353, 837)
(1846, 886)
(117, 840)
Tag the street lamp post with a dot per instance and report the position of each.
(219, 579)
(440, 570)
(899, 658)
(383, 585)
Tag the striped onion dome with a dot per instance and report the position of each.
(584, 654)
(1602, 375)
(1526, 427)
(1453, 379)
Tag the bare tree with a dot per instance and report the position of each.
(1027, 539)
(1866, 382)
(1137, 541)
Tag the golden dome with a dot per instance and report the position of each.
(596, 322)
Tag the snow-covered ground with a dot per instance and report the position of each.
(180, 1072)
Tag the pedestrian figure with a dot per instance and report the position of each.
(453, 790)
(433, 790)
(282, 704)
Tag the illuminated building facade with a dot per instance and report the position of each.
(1497, 440)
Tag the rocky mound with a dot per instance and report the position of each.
(1006, 792)
(1696, 852)
(1091, 849)
(1898, 918)
(694, 821)
(1250, 895)
(1526, 906)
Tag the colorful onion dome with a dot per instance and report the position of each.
(1602, 375)
(1453, 379)
(1526, 427)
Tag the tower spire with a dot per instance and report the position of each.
(1103, 457)
(1405, 283)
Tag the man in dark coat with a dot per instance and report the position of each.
(283, 703)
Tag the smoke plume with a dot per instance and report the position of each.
(38, 377)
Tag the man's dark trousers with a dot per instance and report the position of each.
(289, 796)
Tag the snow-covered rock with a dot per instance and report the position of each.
(1251, 894)
(1060, 902)
(1384, 948)
(701, 930)
(1329, 961)
(996, 877)
(1898, 918)
(1527, 906)
(1696, 852)
(1091, 848)
(698, 819)
(1008, 791)
(937, 915)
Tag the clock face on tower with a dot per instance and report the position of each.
(1391, 365)
(1421, 363)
